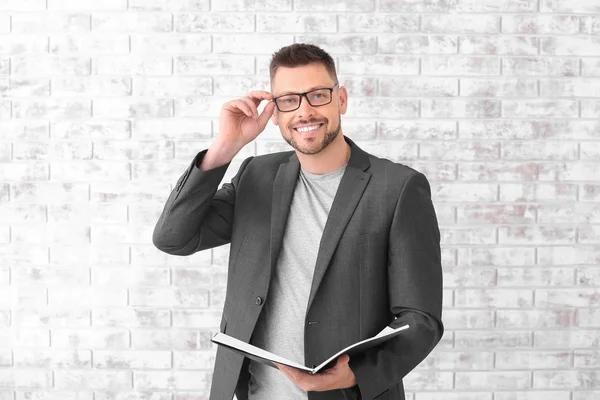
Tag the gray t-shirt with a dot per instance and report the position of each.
(280, 327)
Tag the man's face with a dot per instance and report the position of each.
(326, 117)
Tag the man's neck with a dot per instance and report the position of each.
(331, 158)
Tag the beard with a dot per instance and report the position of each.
(326, 141)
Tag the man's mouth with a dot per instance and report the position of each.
(308, 128)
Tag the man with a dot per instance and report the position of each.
(329, 244)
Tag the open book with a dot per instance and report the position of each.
(268, 358)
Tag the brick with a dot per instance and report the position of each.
(85, 254)
(430, 44)
(182, 380)
(25, 151)
(496, 214)
(588, 276)
(95, 338)
(74, 233)
(460, 23)
(459, 6)
(52, 108)
(459, 108)
(540, 109)
(490, 171)
(460, 66)
(576, 212)
(422, 130)
(339, 44)
(417, 87)
(23, 44)
(27, 276)
(574, 297)
(429, 380)
(87, 296)
(466, 192)
(193, 359)
(528, 129)
(50, 359)
(198, 107)
(372, 107)
(134, 108)
(495, 298)
(5, 109)
(453, 396)
(239, 86)
(376, 23)
(27, 130)
(493, 380)
(588, 318)
(170, 43)
(133, 150)
(201, 319)
(32, 171)
(339, 6)
(51, 192)
(540, 66)
(505, 45)
(91, 171)
(167, 87)
(169, 5)
(380, 65)
(586, 359)
(505, 256)
(17, 212)
(536, 235)
(79, 379)
(131, 317)
(460, 319)
(88, 5)
(588, 234)
(157, 172)
(50, 23)
(561, 255)
(572, 339)
(23, 254)
(89, 44)
(45, 65)
(535, 277)
(573, 87)
(590, 108)
(469, 277)
(571, 45)
(588, 395)
(533, 359)
(566, 379)
(534, 192)
(171, 297)
(533, 395)
(563, 6)
(23, 379)
(539, 150)
(132, 395)
(131, 22)
(133, 359)
(50, 317)
(459, 151)
(468, 235)
(94, 129)
(294, 23)
(23, 5)
(215, 22)
(498, 87)
(133, 192)
(586, 171)
(393, 151)
(213, 65)
(125, 277)
(24, 337)
(173, 339)
(540, 24)
(92, 86)
(133, 64)
(26, 87)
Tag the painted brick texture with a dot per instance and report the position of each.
(104, 103)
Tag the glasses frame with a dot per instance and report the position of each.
(305, 94)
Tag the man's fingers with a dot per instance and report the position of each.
(251, 106)
(267, 112)
(259, 95)
(242, 106)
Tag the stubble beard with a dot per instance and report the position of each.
(326, 141)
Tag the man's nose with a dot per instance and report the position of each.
(305, 109)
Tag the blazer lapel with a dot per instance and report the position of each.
(349, 193)
(283, 191)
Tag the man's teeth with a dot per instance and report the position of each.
(308, 128)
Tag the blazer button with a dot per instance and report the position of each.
(258, 301)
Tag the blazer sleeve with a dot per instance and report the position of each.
(196, 215)
(415, 292)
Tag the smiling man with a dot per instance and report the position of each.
(329, 244)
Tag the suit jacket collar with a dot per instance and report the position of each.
(349, 193)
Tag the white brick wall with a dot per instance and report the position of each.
(104, 103)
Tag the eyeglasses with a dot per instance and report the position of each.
(316, 98)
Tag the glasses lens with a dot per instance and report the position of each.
(319, 97)
(287, 103)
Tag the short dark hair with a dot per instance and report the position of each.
(299, 54)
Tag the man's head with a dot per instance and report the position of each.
(301, 68)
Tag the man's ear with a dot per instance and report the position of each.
(274, 117)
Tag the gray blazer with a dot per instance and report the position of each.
(378, 263)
